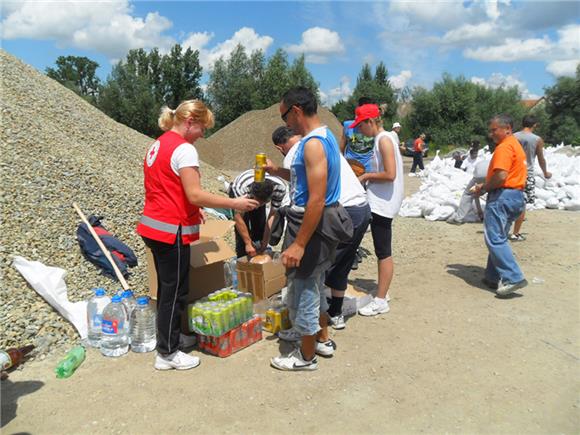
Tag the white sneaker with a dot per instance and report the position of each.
(388, 298)
(289, 335)
(337, 322)
(294, 362)
(177, 360)
(326, 348)
(377, 306)
(509, 288)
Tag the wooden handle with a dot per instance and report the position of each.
(120, 276)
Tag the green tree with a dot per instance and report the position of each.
(299, 75)
(377, 88)
(276, 79)
(563, 109)
(78, 74)
(144, 81)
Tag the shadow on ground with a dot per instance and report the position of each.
(11, 392)
(473, 275)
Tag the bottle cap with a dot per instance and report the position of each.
(142, 300)
(100, 291)
(127, 294)
(116, 299)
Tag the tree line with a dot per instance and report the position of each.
(454, 112)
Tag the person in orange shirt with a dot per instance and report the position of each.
(418, 147)
(505, 182)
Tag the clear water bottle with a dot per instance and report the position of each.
(227, 274)
(129, 302)
(234, 272)
(95, 309)
(143, 327)
(114, 338)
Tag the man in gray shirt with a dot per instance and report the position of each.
(533, 147)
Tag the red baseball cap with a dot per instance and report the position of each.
(364, 112)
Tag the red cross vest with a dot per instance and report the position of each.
(166, 205)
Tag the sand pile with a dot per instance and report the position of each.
(55, 149)
(234, 146)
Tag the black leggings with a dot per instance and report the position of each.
(382, 235)
(172, 266)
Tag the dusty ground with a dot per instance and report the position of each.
(449, 357)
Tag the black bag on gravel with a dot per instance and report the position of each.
(122, 255)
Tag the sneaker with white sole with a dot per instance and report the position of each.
(508, 288)
(177, 360)
(289, 335)
(337, 322)
(325, 348)
(294, 362)
(376, 306)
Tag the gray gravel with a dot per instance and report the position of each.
(55, 149)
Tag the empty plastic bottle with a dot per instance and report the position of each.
(95, 309)
(234, 272)
(114, 338)
(129, 303)
(70, 363)
(143, 327)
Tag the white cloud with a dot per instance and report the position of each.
(318, 44)
(511, 50)
(246, 36)
(467, 33)
(562, 55)
(561, 68)
(400, 80)
(498, 80)
(106, 27)
(341, 92)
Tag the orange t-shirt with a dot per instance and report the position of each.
(418, 145)
(509, 156)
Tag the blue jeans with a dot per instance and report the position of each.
(502, 209)
(306, 300)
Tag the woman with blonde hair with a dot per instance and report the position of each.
(171, 218)
(385, 191)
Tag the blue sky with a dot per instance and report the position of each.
(497, 42)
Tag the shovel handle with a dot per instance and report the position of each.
(120, 276)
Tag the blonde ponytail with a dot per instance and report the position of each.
(189, 109)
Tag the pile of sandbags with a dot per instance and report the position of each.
(443, 184)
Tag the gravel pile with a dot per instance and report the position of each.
(234, 146)
(56, 148)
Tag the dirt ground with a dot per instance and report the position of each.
(448, 357)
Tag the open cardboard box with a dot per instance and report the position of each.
(262, 280)
(208, 255)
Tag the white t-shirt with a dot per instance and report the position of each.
(352, 193)
(468, 164)
(385, 197)
(184, 156)
(395, 138)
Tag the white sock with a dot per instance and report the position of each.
(381, 301)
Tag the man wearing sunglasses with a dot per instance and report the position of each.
(316, 222)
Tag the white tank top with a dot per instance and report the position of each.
(385, 197)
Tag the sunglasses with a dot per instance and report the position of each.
(286, 113)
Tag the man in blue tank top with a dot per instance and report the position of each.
(315, 224)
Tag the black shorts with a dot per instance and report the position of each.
(382, 235)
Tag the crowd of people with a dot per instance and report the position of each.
(326, 210)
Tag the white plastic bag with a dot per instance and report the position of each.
(49, 283)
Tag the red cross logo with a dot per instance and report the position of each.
(152, 154)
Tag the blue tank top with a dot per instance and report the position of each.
(358, 146)
(298, 181)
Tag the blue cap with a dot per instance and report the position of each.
(116, 298)
(127, 294)
(100, 291)
(142, 300)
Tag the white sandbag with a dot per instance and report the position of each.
(441, 213)
(540, 182)
(544, 194)
(49, 283)
(552, 203)
(572, 205)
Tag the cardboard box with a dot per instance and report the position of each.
(262, 280)
(208, 254)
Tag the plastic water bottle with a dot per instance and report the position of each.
(129, 302)
(95, 309)
(234, 272)
(70, 363)
(114, 338)
(227, 274)
(143, 327)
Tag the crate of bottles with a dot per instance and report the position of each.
(220, 312)
(232, 341)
